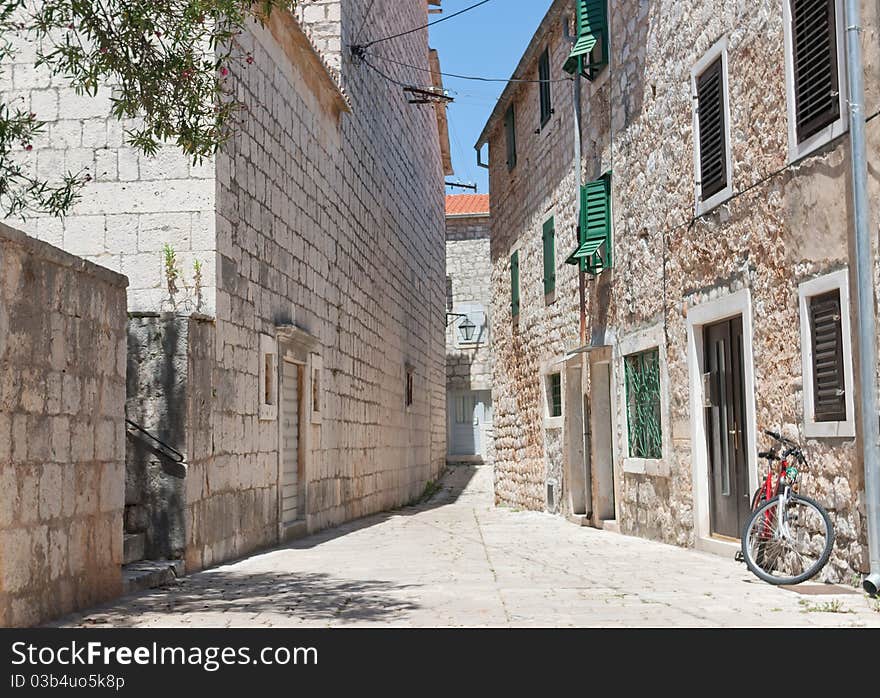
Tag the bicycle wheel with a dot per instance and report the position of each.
(791, 546)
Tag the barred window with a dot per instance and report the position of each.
(643, 404)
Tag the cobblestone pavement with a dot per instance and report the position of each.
(458, 561)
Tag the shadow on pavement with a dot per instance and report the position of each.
(238, 597)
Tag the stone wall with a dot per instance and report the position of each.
(468, 266)
(792, 226)
(62, 436)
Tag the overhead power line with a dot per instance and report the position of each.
(462, 77)
(364, 21)
(425, 26)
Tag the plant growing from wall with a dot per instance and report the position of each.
(169, 62)
(172, 273)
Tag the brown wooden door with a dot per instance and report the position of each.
(725, 427)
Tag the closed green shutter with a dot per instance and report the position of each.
(514, 284)
(549, 256)
(590, 52)
(594, 252)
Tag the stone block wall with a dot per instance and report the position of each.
(62, 435)
(468, 268)
(793, 226)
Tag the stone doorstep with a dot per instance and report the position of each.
(133, 547)
(294, 531)
(149, 574)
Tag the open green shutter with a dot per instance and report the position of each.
(514, 284)
(592, 30)
(594, 246)
(549, 238)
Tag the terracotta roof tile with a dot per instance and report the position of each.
(465, 204)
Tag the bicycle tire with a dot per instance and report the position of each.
(811, 571)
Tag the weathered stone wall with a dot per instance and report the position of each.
(468, 265)
(134, 204)
(62, 436)
(792, 227)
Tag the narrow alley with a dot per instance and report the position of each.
(456, 560)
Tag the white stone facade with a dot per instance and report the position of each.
(675, 271)
(324, 217)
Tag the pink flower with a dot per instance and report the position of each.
(224, 72)
(250, 59)
(29, 147)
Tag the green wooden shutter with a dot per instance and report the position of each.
(514, 284)
(594, 253)
(549, 256)
(590, 51)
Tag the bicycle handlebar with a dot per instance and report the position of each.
(779, 437)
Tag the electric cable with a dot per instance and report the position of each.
(425, 26)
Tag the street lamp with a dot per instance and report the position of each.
(467, 329)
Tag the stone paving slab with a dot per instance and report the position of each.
(458, 561)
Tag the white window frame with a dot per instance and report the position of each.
(835, 281)
(548, 369)
(268, 347)
(637, 343)
(701, 207)
(798, 151)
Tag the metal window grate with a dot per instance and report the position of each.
(643, 404)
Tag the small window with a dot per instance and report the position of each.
(554, 394)
(316, 390)
(815, 63)
(643, 404)
(829, 385)
(544, 77)
(268, 378)
(549, 238)
(514, 284)
(510, 135)
(712, 130)
(594, 253)
(408, 399)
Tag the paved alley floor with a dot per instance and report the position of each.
(458, 561)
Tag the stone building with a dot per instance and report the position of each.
(287, 297)
(695, 175)
(468, 329)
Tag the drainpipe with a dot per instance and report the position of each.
(578, 164)
(870, 428)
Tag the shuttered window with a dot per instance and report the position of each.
(510, 135)
(544, 77)
(713, 130)
(594, 252)
(554, 394)
(590, 52)
(829, 393)
(549, 238)
(816, 85)
(514, 284)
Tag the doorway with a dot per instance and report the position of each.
(470, 421)
(602, 438)
(292, 475)
(726, 431)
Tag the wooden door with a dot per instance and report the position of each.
(726, 432)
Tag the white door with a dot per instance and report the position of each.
(291, 472)
(469, 417)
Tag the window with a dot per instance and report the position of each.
(544, 77)
(514, 284)
(713, 166)
(268, 378)
(510, 135)
(408, 395)
(316, 390)
(594, 251)
(827, 358)
(816, 87)
(549, 238)
(554, 395)
(590, 52)
(643, 404)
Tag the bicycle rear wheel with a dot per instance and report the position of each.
(789, 546)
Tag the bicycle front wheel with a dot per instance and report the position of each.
(788, 545)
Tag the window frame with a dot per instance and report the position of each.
(799, 150)
(510, 136)
(268, 409)
(719, 50)
(547, 371)
(807, 290)
(544, 94)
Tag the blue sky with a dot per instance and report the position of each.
(486, 42)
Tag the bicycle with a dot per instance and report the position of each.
(789, 537)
